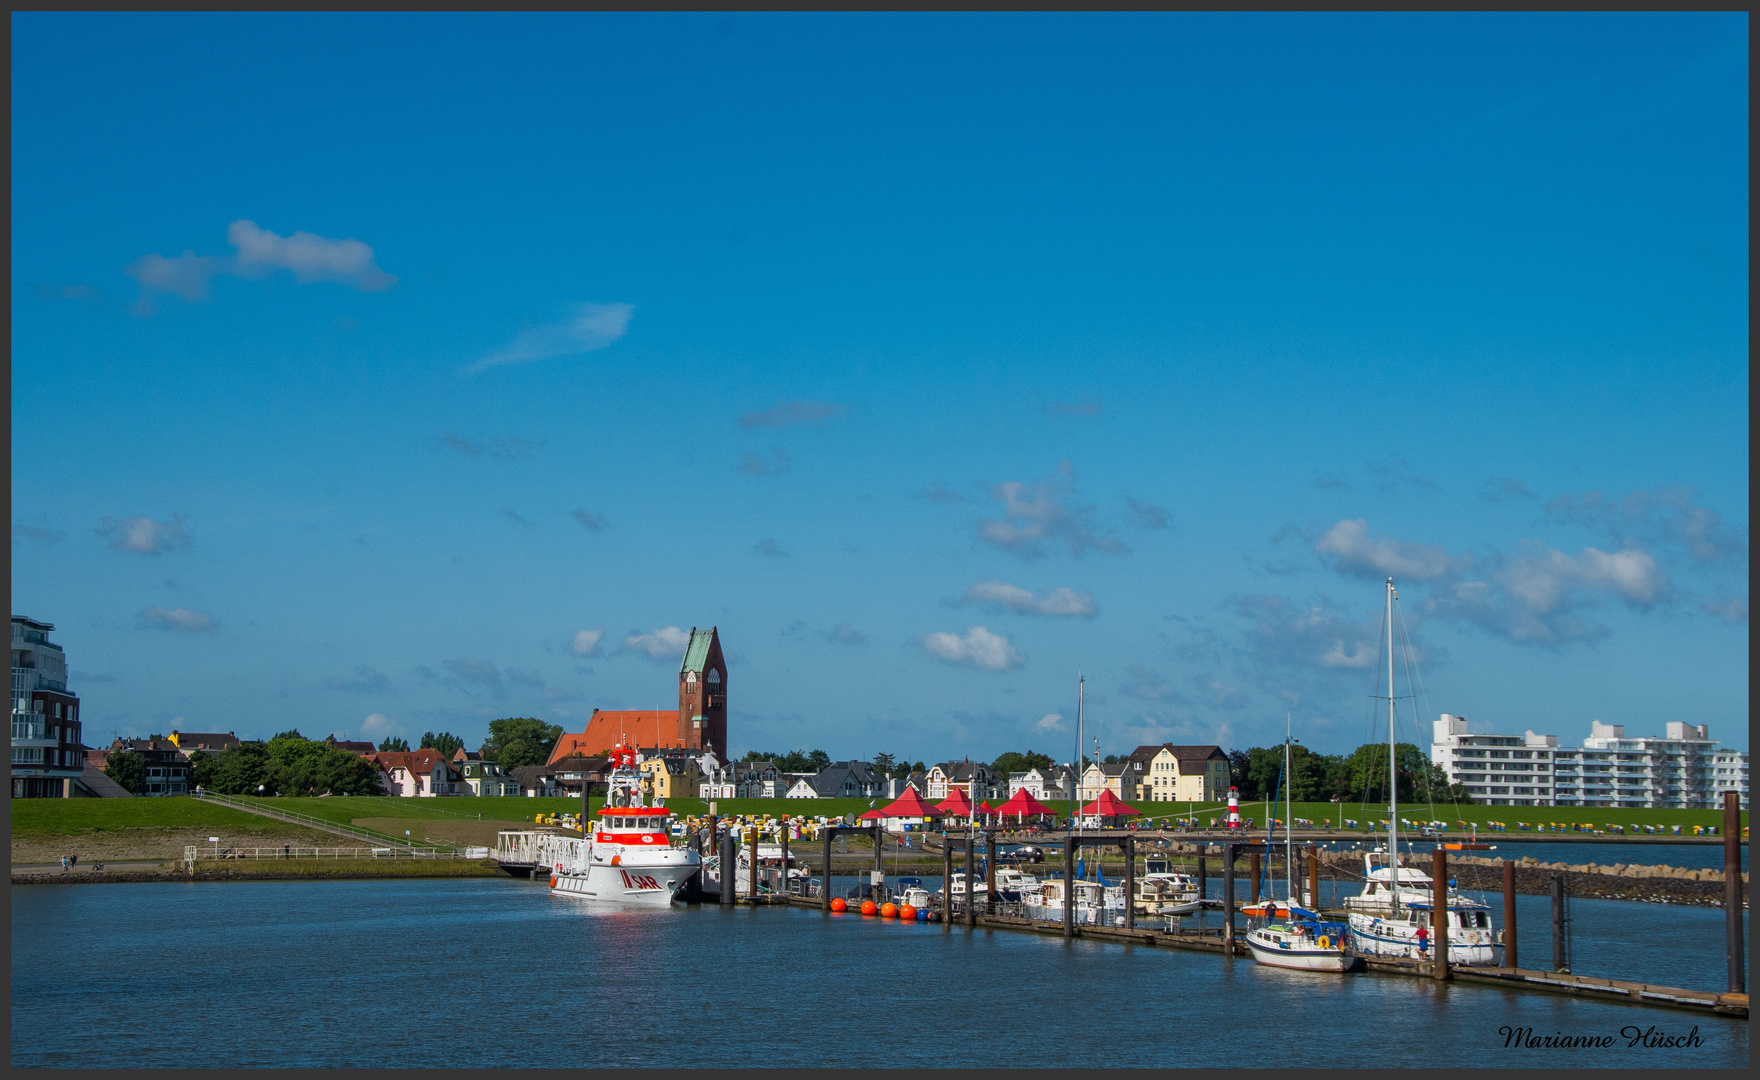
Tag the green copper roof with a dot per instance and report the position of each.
(696, 654)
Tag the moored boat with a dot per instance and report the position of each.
(626, 856)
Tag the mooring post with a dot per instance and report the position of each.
(1314, 876)
(1558, 963)
(1253, 865)
(1069, 886)
(782, 831)
(971, 872)
(729, 867)
(1439, 910)
(1732, 889)
(946, 884)
(1130, 883)
(825, 877)
(1203, 877)
(752, 862)
(1509, 914)
(990, 871)
(1229, 853)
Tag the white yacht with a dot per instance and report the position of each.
(1386, 923)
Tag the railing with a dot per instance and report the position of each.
(294, 817)
(193, 853)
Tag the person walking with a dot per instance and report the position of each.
(64, 864)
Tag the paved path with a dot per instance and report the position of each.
(86, 867)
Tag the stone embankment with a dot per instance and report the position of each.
(1621, 881)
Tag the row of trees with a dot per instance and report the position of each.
(1257, 773)
(288, 764)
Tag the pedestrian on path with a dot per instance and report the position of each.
(64, 864)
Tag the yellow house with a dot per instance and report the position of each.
(1172, 773)
(670, 777)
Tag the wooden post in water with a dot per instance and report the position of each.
(879, 859)
(1228, 856)
(990, 871)
(1069, 886)
(971, 872)
(825, 876)
(1253, 865)
(729, 867)
(1130, 883)
(752, 862)
(1732, 889)
(1314, 876)
(1439, 910)
(782, 830)
(946, 884)
(1203, 877)
(1558, 963)
(1509, 914)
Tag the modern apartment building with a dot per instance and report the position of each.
(47, 757)
(1684, 769)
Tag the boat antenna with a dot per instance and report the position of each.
(1392, 763)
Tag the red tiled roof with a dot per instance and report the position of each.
(643, 729)
(416, 761)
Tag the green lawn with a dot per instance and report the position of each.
(76, 817)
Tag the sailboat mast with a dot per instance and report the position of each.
(1392, 765)
(1289, 836)
(1075, 786)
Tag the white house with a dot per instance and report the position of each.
(418, 774)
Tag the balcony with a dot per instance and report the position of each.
(25, 680)
(31, 733)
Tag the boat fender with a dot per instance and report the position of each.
(617, 860)
(553, 881)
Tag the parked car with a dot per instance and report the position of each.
(1027, 853)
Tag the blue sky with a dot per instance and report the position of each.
(382, 374)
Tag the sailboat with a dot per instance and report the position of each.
(1392, 916)
(1302, 940)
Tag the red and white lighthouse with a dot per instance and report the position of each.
(1233, 821)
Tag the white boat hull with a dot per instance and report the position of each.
(1299, 959)
(1398, 938)
(645, 886)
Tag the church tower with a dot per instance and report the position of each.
(702, 694)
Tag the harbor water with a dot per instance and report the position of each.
(497, 973)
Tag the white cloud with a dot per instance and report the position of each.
(1352, 551)
(586, 642)
(587, 327)
(1049, 722)
(845, 634)
(979, 648)
(378, 726)
(364, 680)
(794, 412)
(1733, 610)
(1667, 516)
(1029, 521)
(143, 535)
(259, 252)
(1359, 655)
(311, 257)
(1001, 596)
(666, 643)
(182, 620)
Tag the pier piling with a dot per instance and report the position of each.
(729, 867)
(1509, 915)
(1314, 876)
(946, 884)
(825, 877)
(1069, 887)
(1253, 866)
(1130, 883)
(1439, 910)
(1732, 890)
(989, 871)
(971, 872)
(782, 832)
(1559, 962)
(752, 864)
(1203, 877)
(1229, 851)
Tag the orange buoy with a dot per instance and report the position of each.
(869, 907)
(837, 904)
(907, 913)
(889, 910)
(553, 881)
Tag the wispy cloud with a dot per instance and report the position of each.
(1148, 685)
(786, 413)
(1349, 548)
(845, 634)
(978, 648)
(1500, 488)
(378, 727)
(257, 253)
(498, 446)
(468, 674)
(584, 329)
(41, 536)
(756, 465)
(1394, 473)
(1049, 722)
(513, 515)
(940, 493)
(143, 535)
(181, 620)
(666, 643)
(1733, 610)
(999, 595)
(1670, 515)
(586, 642)
(1147, 515)
(590, 520)
(364, 681)
(1045, 514)
(770, 548)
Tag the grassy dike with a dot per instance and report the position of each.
(274, 870)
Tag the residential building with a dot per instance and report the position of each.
(47, 755)
(972, 777)
(535, 781)
(168, 769)
(669, 776)
(800, 786)
(574, 775)
(915, 781)
(1042, 784)
(742, 780)
(421, 774)
(1171, 773)
(1677, 770)
(480, 777)
(848, 780)
(212, 742)
(354, 746)
(1100, 776)
(698, 723)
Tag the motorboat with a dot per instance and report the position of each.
(1400, 922)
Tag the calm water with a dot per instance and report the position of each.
(496, 973)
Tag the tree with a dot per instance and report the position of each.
(1013, 762)
(445, 742)
(1368, 773)
(394, 743)
(520, 740)
(884, 764)
(128, 769)
(202, 767)
(293, 734)
(1238, 775)
(239, 768)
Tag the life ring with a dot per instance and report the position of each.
(1324, 942)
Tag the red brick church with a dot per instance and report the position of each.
(700, 723)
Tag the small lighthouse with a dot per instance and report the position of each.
(1233, 821)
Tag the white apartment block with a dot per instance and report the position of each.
(1684, 769)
